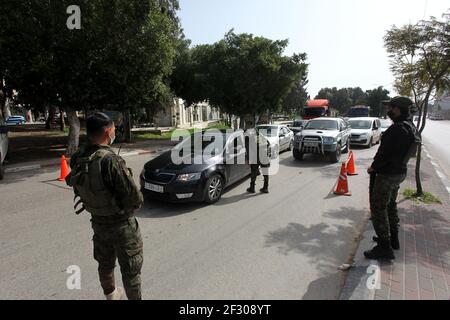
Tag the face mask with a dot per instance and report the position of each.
(391, 114)
(112, 139)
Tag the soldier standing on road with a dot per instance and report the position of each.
(107, 191)
(258, 155)
(389, 170)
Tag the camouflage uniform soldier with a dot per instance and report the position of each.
(389, 170)
(258, 155)
(106, 190)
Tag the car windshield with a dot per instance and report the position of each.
(360, 124)
(322, 125)
(385, 124)
(298, 124)
(268, 131)
(358, 112)
(206, 140)
(314, 112)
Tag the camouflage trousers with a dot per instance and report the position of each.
(383, 204)
(254, 174)
(121, 241)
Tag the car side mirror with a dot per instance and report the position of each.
(3, 129)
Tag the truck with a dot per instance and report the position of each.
(316, 109)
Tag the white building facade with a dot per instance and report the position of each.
(201, 115)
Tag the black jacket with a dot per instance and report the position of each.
(394, 147)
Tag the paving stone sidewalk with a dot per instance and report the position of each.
(421, 270)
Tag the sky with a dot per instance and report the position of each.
(342, 38)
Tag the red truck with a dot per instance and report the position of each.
(316, 109)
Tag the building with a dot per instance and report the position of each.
(201, 115)
(441, 106)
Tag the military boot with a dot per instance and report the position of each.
(117, 294)
(395, 242)
(382, 250)
(251, 189)
(265, 188)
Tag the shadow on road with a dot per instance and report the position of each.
(327, 245)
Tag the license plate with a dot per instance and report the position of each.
(154, 187)
(310, 144)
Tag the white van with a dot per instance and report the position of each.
(3, 146)
(365, 131)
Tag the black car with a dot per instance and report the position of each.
(197, 178)
(298, 125)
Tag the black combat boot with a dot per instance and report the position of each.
(382, 250)
(395, 242)
(251, 189)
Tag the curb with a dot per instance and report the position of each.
(57, 163)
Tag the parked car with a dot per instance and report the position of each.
(15, 120)
(3, 147)
(205, 179)
(326, 136)
(298, 125)
(365, 131)
(385, 124)
(280, 137)
(436, 116)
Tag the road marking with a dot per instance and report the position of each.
(434, 164)
(440, 174)
(448, 189)
(20, 169)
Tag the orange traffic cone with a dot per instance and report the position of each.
(342, 186)
(64, 169)
(351, 169)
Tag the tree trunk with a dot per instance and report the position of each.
(62, 124)
(49, 125)
(419, 187)
(74, 132)
(127, 125)
(149, 114)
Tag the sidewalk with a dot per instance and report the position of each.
(126, 150)
(421, 270)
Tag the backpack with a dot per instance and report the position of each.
(416, 141)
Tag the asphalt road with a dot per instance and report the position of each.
(285, 245)
(437, 140)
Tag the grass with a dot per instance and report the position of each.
(427, 197)
(167, 135)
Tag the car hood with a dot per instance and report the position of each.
(361, 131)
(323, 133)
(164, 163)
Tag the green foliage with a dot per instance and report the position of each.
(241, 74)
(343, 99)
(121, 58)
(426, 198)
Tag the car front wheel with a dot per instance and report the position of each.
(214, 188)
(336, 156)
(297, 154)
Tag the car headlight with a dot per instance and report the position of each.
(328, 140)
(189, 177)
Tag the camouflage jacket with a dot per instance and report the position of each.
(117, 178)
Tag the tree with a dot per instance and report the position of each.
(420, 62)
(241, 74)
(339, 99)
(374, 100)
(293, 103)
(120, 59)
